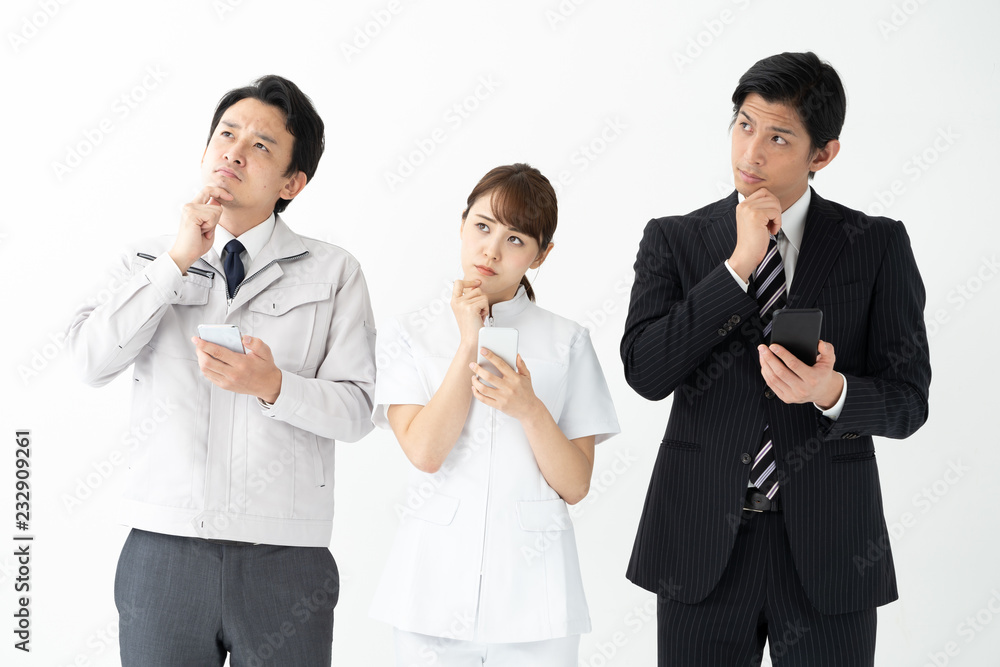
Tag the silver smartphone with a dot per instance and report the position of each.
(226, 335)
(501, 341)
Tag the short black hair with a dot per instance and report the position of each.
(301, 120)
(803, 82)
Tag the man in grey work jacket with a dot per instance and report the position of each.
(230, 500)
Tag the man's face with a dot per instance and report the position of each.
(248, 155)
(772, 149)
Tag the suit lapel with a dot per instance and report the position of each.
(719, 230)
(822, 241)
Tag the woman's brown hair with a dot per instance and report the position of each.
(524, 200)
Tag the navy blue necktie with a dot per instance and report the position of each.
(233, 266)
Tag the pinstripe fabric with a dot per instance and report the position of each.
(758, 596)
(692, 332)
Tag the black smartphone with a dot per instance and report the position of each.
(797, 330)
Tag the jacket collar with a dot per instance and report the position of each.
(283, 242)
(512, 307)
(284, 245)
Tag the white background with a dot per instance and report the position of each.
(655, 78)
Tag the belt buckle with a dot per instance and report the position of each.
(757, 502)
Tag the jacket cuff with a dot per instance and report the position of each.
(166, 278)
(289, 398)
(834, 411)
(744, 285)
(856, 414)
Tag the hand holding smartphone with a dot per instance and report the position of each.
(797, 330)
(226, 335)
(501, 341)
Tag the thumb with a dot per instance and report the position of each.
(825, 354)
(257, 347)
(521, 368)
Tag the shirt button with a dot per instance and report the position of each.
(745, 459)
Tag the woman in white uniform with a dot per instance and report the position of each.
(484, 569)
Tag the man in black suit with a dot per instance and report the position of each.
(763, 518)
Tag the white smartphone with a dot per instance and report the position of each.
(501, 341)
(226, 335)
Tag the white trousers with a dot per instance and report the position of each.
(416, 650)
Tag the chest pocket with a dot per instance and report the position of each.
(288, 320)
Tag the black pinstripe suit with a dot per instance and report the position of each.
(691, 331)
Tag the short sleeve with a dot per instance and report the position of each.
(397, 381)
(588, 409)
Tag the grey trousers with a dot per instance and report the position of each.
(187, 602)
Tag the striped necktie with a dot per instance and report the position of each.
(769, 289)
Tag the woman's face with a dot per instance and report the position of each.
(494, 253)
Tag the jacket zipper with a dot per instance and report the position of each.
(265, 268)
(486, 518)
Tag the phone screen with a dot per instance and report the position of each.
(797, 330)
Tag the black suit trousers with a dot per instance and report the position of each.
(760, 597)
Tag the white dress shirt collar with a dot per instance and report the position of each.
(793, 218)
(253, 239)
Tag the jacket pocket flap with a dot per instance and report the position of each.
(680, 444)
(843, 293)
(281, 300)
(194, 292)
(438, 509)
(543, 515)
